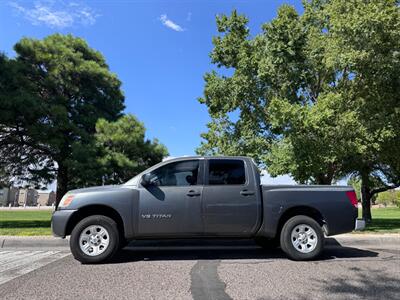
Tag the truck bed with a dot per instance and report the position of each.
(330, 202)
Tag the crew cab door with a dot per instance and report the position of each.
(231, 204)
(171, 204)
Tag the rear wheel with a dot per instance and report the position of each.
(95, 239)
(302, 238)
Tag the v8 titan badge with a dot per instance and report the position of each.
(156, 216)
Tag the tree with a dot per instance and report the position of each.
(20, 161)
(236, 104)
(52, 94)
(365, 39)
(314, 95)
(124, 150)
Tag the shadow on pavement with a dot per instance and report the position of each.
(220, 250)
(364, 283)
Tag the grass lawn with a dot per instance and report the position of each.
(26, 223)
(37, 222)
(384, 220)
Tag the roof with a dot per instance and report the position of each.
(206, 157)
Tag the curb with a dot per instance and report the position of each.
(33, 242)
(360, 240)
(351, 240)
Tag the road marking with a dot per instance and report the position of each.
(6, 256)
(16, 263)
(14, 256)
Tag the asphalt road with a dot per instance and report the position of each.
(208, 271)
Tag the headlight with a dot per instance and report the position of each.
(66, 200)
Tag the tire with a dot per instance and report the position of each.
(95, 239)
(267, 243)
(302, 238)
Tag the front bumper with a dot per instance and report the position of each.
(59, 222)
(360, 225)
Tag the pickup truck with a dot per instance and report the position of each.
(204, 197)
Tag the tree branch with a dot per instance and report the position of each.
(384, 188)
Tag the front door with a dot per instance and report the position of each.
(171, 204)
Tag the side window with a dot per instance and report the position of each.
(182, 173)
(226, 171)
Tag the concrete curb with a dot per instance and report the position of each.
(32, 242)
(347, 240)
(370, 240)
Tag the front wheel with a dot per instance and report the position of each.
(94, 239)
(302, 238)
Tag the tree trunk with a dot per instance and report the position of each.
(366, 196)
(62, 182)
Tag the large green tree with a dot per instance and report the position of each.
(52, 94)
(314, 95)
(365, 42)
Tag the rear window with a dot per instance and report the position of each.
(226, 171)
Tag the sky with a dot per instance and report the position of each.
(158, 49)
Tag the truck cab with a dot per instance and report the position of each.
(200, 197)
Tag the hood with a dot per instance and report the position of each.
(101, 188)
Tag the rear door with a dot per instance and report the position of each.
(230, 202)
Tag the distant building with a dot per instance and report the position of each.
(46, 198)
(27, 197)
(4, 196)
(13, 195)
(9, 196)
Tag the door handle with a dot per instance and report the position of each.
(193, 193)
(246, 193)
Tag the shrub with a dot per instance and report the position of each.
(391, 197)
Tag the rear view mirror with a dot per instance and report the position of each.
(146, 179)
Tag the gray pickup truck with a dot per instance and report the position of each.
(204, 197)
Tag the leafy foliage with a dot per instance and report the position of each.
(52, 95)
(125, 151)
(313, 95)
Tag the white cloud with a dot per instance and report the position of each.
(56, 14)
(170, 24)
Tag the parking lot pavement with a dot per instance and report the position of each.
(149, 271)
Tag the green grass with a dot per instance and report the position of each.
(384, 220)
(37, 222)
(25, 223)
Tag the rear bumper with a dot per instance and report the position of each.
(360, 225)
(59, 222)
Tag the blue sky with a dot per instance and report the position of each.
(159, 50)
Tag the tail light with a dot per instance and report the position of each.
(353, 198)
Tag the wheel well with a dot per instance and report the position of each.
(91, 210)
(300, 210)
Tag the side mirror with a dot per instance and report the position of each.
(146, 179)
